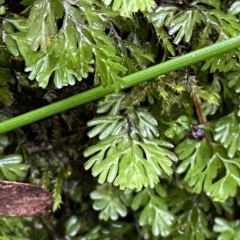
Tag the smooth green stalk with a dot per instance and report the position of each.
(130, 80)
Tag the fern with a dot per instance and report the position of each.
(157, 178)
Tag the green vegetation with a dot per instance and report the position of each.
(158, 155)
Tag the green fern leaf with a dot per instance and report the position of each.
(127, 8)
(119, 156)
(41, 25)
(227, 132)
(227, 229)
(203, 164)
(155, 212)
(12, 168)
(107, 200)
(184, 24)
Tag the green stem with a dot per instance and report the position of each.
(130, 80)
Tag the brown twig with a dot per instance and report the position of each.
(197, 103)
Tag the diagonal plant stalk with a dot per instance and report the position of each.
(130, 80)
